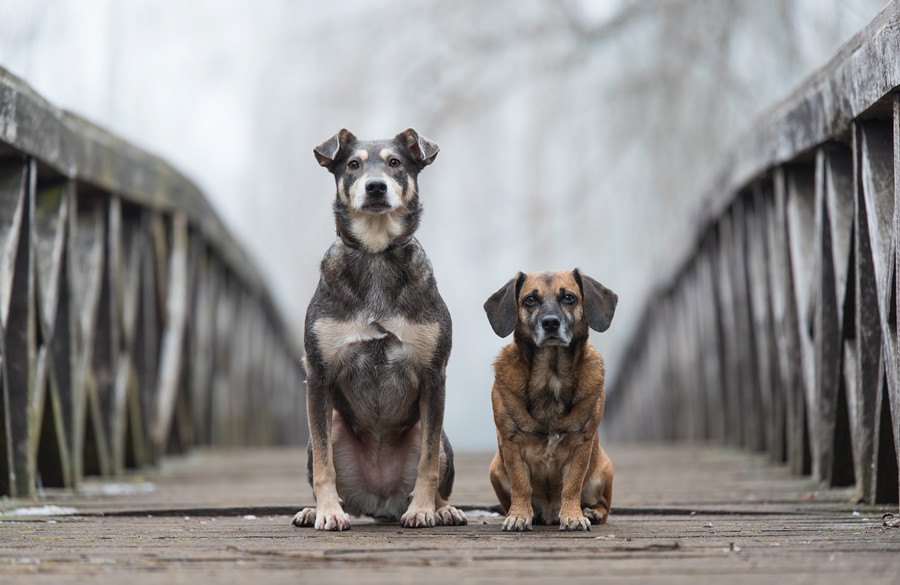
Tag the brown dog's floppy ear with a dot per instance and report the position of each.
(502, 307)
(599, 301)
(422, 150)
(327, 152)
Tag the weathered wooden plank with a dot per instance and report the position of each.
(874, 216)
(171, 356)
(706, 311)
(52, 395)
(221, 390)
(200, 333)
(718, 362)
(834, 220)
(886, 424)
(839, 423)
(149, 325)
(800, 225)
(770, 397)
(753, 428)
(13, 181)
(117, 409)
(667, 525)
(694, 357)
(731, 341)
(132, 443)
(20, 340)
(88, 271)
(785, 370)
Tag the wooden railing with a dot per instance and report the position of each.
(778, 330)
(133, 325)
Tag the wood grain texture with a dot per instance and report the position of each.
(682, 514)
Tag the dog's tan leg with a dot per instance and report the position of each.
(500, 482)
(596, 497)
(571, 516)
(519, 514)
(329, 515)
(421, 510)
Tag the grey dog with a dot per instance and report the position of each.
(377, 340)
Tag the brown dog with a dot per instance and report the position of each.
(548, 400)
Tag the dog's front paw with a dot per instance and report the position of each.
(514, 523)
(574, 523)
(305, 517)
(332, 518)
(416, 517)
(450, 516)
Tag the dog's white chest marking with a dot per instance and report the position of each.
(417, 340)
(376, 232)
(334, 335)
(413, 341)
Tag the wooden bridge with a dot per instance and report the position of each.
(151, 403)
(133, 325)
(777, 330)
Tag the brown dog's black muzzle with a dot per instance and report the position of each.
(550, 323)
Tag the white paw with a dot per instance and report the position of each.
(305, 517)
(332, 518)
(418, 518)
(450, 516)
(513, 523)
(574, 523)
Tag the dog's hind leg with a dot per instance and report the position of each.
(307, 516)
(596, 496)
(448, 472)
(445, 514)
(500, 482)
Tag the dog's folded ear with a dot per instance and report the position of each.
(422, 150)
(502, 307)
(330, 150)
(599, 301)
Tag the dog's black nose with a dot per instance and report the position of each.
(550, 323)
(376, 187)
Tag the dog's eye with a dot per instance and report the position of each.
(569, 298)
(353, 165)
(529, 301)
(394, 162)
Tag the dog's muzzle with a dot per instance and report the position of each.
(376, 196)
(551, 330)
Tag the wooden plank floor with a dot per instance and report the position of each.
(681, 514)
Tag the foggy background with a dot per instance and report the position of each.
(573, 133)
